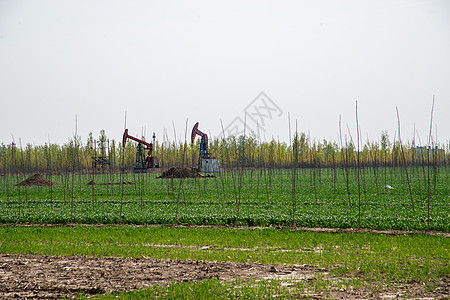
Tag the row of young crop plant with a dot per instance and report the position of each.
(233, 152)
(253, 197)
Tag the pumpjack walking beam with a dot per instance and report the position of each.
(142, 162)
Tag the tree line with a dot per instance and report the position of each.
(104, 154)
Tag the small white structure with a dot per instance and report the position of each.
(388, 189)
(210, 165)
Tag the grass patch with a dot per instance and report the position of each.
(238, 289)
(374, 256)
(207, 289)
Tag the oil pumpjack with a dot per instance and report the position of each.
(143, 162)
(206, 163)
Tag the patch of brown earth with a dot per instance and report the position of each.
(55, 277)
(182, 173)
(92, 182)
(36, 180)
(44, 276)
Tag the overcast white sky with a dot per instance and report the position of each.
(165, 62)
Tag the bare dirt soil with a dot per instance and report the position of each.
(182, 173)
(36, 180)
(92, 182)
(43, 276)
(55, 277)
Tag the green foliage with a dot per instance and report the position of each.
(209, 289)
(233, 152)
(265, 200)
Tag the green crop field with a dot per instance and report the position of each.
(334, 265)
(264, 197)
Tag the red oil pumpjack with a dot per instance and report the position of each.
(203, 153)
(142, 162)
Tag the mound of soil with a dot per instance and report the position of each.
(36, 180)
(181, 173)
(92, 182)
